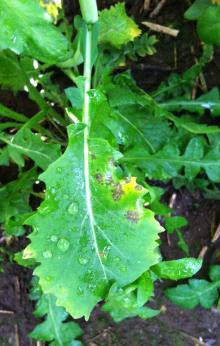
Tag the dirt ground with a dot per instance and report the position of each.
(174, 326)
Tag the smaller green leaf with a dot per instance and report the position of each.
(197, 292)
(19, 259)
(116, 28)
(11, 76)
(214, 272)
(26, 143)
(122, 303)
(145, 289)
(177, 269)
(196, 10)
(54, 328)
(208, 25)
(14, 203)
(175, 222)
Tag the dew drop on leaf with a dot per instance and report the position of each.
(45, 210)
(79, 291)
(123, 269)
(82, 260)
(48, 278)
(116, 260)
(53, 190)
(54, 238)
(92, 287)
(63, 244)
(47, 254)
(73, 208)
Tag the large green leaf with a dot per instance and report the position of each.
(116, 27)
(92, 229)
(27, 29)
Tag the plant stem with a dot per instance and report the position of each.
(89, 11)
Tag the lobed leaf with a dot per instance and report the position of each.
(168, 162)
(26, 143)
(122, 303)
(97, 231)
(116, 28)
(14, 203)
(54, 329)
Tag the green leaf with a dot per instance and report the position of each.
(197, 9)
(175, 222)
(14, 203)
(97, 229)
(145, 289)
(54, 328)
(207, 102)
(177, 269)
(214, 272)
(26, 143)
(168, 162)
(116, 28)
(10, 72)
(197, 292)
(28, 29)
(208, 25)
(192, 126)
(142, 130)
(122, 303)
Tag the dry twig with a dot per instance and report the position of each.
(162, 29)
(158, 8)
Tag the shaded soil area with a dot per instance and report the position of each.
(174, 326)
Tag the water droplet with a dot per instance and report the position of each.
(54, 238)
(45, 210)
(105, 251)
(48, 278)
(79, 291)
(123, 269)
(92, 287)
(53, 190)
(116, 260)
(82, 260)
(47, 254)
(63, 244)
(59, 169)
(73, 208)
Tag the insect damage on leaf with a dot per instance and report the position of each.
(85, 250)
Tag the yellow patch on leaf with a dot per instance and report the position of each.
(131, 185)
(52, 7)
